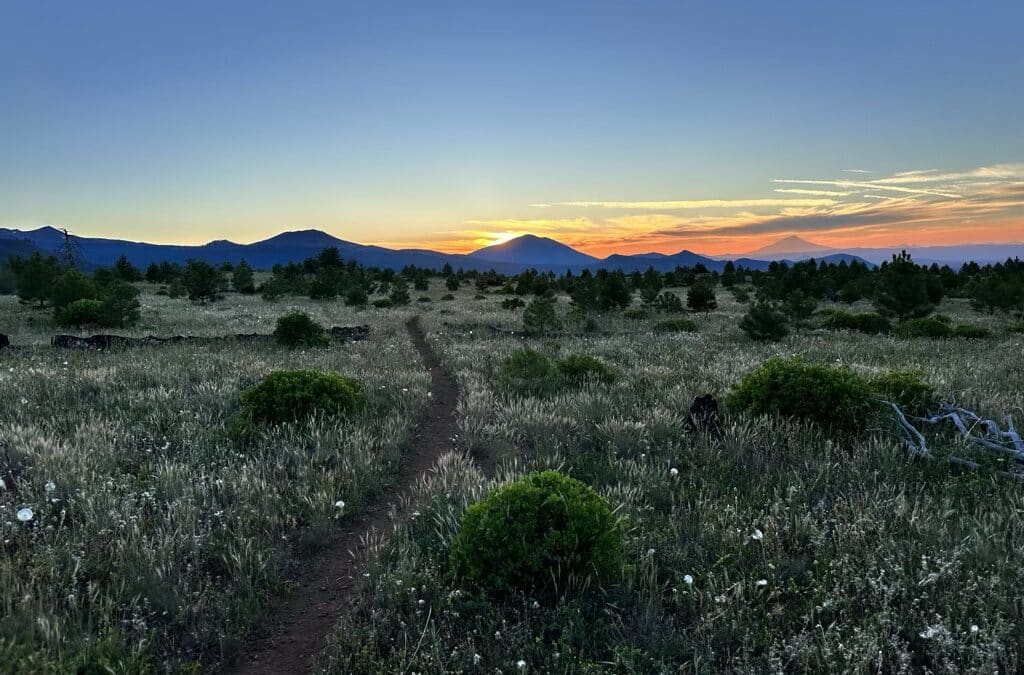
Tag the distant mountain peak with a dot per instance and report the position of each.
(790, 244)
(531, 249)
(309, 237)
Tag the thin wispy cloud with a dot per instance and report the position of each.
(919, 206)
(856, 171)
(679, 204)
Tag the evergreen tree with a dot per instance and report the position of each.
(399, 294)
(539, 317)
(202, 281)
(125, 270)
(902, 289)
(121, 306)
(764, 322)
(242, 279)
(800, 307)
(701, 297)
(34, 277)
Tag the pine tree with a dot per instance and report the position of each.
(902, 289)
(539, 317)
(701, 297)
(764, 322)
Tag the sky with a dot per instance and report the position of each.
(611, 126)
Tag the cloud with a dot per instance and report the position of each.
(874, 185)
(692, 204)
(856, 171)
(818, 193)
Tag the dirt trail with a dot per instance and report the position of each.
(298, 630)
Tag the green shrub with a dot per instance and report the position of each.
(936, 326)
(527, 364)
(635, 314)
(584, 367)
(382, 303)
(764, 322)
(741, 294)
(969, 330)
(298, 329)
(867, 322)
(833, 398)
(447, 297)
(542, 535)
(294, 395)
(1015, 327)
(905, 388)
(677, 325)
(512, 303)
(424, 298)
(80, 313)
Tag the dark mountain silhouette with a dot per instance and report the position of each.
(788, 246)
(534, 250)
(527, 251)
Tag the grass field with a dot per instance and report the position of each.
(160, 531)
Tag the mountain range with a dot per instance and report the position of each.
(515, 255)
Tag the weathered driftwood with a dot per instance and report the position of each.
(972, 430)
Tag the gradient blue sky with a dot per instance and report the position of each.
(612, 126)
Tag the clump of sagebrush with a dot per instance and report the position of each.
(585, 367)
(676, 325)
(940, 326)
(864, 322)
(299, 329)
(293, 395)
(527, 364)
(907, 389)
(544, 535)
(834, 398)
(512, 303)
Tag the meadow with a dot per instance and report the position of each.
(161, 531)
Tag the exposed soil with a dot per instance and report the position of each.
(296, 632)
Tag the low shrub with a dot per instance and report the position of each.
(635, 314)
(677, 325)
(1015, 327)
(527, 364)
(544, 535)
(382, 303)
(424, 298)
(833, 398)
(447, 297)
(298, 329)
(293, 395)
(80, 313)
(935, 326)
(866, 322)
(512, 303)
(905, 388)
(969, 330)
(739, 293)
(584, 367)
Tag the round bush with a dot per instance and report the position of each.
(583, 367)
(299, 329)
(907, 389)
(527, 364)
(81, 313)
(867, 322)
(937, 326)
(969, 330)
(833, 398)
(293, 395)
(539, 536)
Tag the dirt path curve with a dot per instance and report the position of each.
(300, 627)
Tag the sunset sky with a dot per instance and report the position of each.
(611, 126)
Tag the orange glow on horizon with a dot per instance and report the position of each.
(720, 244)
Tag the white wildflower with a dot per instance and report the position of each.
(762, 582)
(25, 514)
(50, 486)
(673, 472)
(339, 504)
(521, 664)
(757, 535)
(688, 579)
(974, 628)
